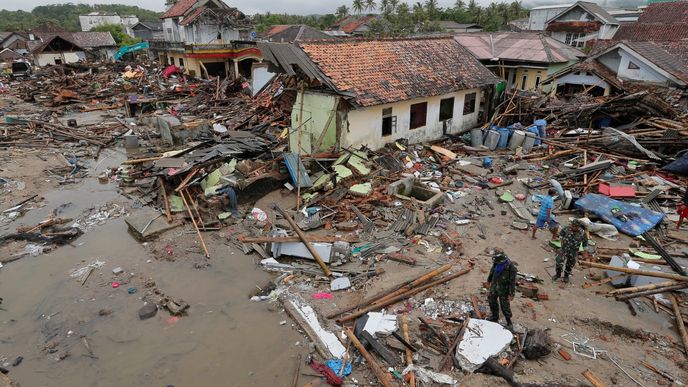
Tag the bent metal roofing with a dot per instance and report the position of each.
(391, 70)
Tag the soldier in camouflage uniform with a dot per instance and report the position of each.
(572, 236)
(502, 281)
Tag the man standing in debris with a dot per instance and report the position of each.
(545, 216)
(572, 236)
(502, 281)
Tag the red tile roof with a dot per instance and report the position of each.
(179, 9)
(652, 31)
(276, 30)
(391, 70)
(668, 12)
(350, 24)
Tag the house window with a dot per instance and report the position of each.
(523, 82)
(447, 109)
(574, 39)
(632, 66)
(537, 81)
(419, 113)
(389, 122)
(469, 104)
(181, 62)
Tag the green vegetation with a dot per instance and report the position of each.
(65, 15)
(264, 21)
(399, 18)
(118, 33)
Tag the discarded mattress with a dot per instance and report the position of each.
(638, 220)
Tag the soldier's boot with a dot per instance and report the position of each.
(557, 275)
(566, 278)
(509, 325)
(493, 318)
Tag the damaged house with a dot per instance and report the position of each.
(205, 37)
(522, 59)
(373, 92)
(582, 22)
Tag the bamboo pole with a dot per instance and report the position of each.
(382, 376)
(402, 296)
(304, 240)
(641, 288)
(650, 292)
(193, 220)
(141, 161)
(165, 200)
(656, 274)
(409, 353)
(405, 285)
(679, 323)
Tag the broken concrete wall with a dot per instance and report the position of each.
(319, 115)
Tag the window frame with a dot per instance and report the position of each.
(388, 114)
(414, 122)
(472, 102)
(451, 113)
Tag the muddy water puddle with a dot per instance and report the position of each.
(90, 335)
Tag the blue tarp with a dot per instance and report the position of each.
(679, 167)
(640, 220)
(291, 160)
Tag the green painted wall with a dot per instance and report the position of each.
(554, 67)
(319, 108)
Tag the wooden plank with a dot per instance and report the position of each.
(593, 379)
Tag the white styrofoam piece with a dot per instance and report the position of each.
(329, 339)
(340, 283)
(380, 324)
(482, 339)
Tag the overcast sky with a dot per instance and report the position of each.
(253, 6)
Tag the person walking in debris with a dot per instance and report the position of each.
(502, 286)
(572, 236)
(682, 210)
(545, 216)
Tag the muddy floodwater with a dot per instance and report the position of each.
(90, 335)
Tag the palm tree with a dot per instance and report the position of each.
(370, 5)
(342, 12)
(460, 4)
(358, 6)
(384, 7)
(431, 7)
(393, 4)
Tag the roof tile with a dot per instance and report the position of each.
(391, 70)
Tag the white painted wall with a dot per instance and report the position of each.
(365, 124)
(539, 16)
(89, 22)
(170, 31)
(582, 78)
(643, 73)
(48, 58)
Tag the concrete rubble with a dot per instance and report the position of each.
(401, 236)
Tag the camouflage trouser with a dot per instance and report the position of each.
(495, 301)
(570, 260)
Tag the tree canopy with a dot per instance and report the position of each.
(118, 33)
(66, 15)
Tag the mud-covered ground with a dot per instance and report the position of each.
(90, 334)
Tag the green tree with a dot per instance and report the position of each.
(358, 6)
(342, 12)
(370, 5)
(117, 32)
(432, 9)
(385, 7)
